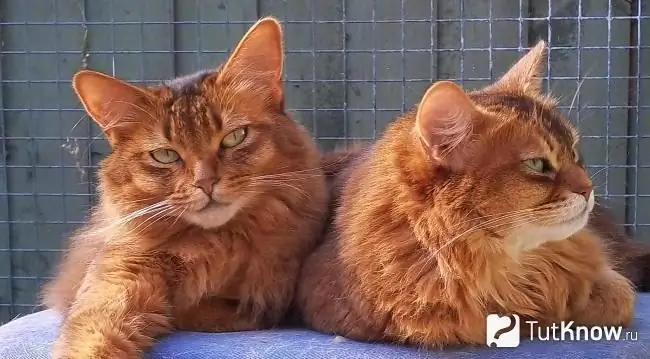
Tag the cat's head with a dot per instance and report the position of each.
(200, 147)
(508, 152)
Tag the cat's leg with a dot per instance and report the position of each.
(611, 301)
(120, 307)
(259, 302)
(440, 327)
(213, 314)
(328, 301)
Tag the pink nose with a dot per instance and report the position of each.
(206, 184)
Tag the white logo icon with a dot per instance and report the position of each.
(502, 331)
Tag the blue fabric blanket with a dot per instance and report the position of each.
(30, 337)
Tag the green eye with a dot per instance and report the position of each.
(165, 155)
(234, 138)
(539, 165)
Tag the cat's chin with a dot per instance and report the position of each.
(213, 215)
(532, 235)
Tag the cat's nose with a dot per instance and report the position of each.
(205, 176)
(576, 180)
(584, 191)
(206, 184)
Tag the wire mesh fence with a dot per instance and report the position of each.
(351, 66)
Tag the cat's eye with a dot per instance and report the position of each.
(234, 138)
(165, 155)
(539, 165)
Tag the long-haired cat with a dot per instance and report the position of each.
(473, 203)
(209, 202)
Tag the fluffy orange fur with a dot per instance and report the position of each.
(474, 203)
(209, 202)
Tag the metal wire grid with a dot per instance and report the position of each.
(351, 67)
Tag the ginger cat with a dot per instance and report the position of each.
(473, 203)
(209, 202)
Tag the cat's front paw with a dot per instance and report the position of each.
(92, 347)
(619, 300)
(611, 302)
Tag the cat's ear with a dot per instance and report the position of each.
(444, 121)
(110, 102)
(525, 75)
(259, 58)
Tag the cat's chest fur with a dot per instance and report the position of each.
(208, 264)
(546, 283)
(549, 281)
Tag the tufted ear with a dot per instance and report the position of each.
(258, 58)
(444, 122)
(525, 75)
(112, 103)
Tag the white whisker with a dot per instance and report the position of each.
(575, 96)
(598, 172)
(500, 215)
(179, 216)
(161, 213)
(494, 224)
(135, 214)
(490, 224)
(280, 183)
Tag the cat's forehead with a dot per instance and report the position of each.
(187, 84)
(189, 114)
(527, 112)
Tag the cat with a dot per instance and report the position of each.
(631, 258)
(209, 201)
(470, 204)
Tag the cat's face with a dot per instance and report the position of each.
(205, 154)
(513, 157)
(527, 162)
(201, 147)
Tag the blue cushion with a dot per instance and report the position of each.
(30, 337)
